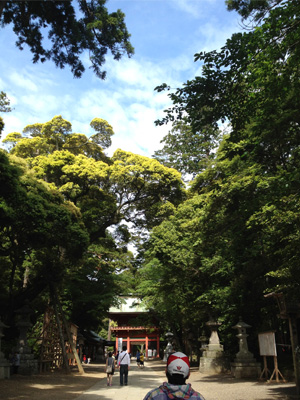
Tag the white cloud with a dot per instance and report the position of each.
(13, 123)
(126, 99)
(130, 105)
(188, 6)
(128, 102)
(23, 81)
(40, 102)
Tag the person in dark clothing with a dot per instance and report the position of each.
(16, 362)
(138, 358)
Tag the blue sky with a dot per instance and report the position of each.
(165, 34)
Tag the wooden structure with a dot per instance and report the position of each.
(290, 311)
(51, 353)
(131, 331)
(267, 348)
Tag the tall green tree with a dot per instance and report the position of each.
(243, 207)
(71, 30)
(110, 194)
(126, 186)
(187, 151)
(43, 139)
(253, 82)
(4, 107)
(222, 250)
(42, 235)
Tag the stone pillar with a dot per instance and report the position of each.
(244, 365)
(169, 348)
(28, 365)
(203, 339)
(4, 364)
(213, 360)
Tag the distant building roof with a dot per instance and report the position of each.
(128, 305)
(92, 336)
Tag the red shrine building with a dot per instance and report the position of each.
(134, 328)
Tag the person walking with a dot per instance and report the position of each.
(177, 372)
(124, 365)
(110, 368)
(138, 358)
(16, 362)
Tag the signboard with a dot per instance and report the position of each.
(120, 341)
(267, 345)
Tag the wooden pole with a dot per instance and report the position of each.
(276, 372)
(265, 371)
(70, 339)
(61, 336)
(294, 343)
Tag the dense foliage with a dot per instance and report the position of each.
(236, 238)
(213, 251)
(66, 209)
(187, 151)
(71, 29)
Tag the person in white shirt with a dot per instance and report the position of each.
(124, 365)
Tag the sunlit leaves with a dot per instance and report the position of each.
(104, 131)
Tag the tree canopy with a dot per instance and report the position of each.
(96, 206)
(253, 80)
(71, 30)
(41, 235)
(235, 237)
(187, 151)
(212, 251)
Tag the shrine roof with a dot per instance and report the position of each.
(134, 328)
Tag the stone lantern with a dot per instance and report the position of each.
(28, 365)
(4, 364)
(213, 359)
(203, 339)
(244, 365)
(242, 336)
(23, 324)
(169, 348)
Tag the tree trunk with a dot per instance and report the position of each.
(61, 336)
(109, 330)
(70, 339)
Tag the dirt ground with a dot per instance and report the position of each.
(61, 386)
(55, 385)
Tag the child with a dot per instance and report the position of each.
(138, 358)
(142, 360)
